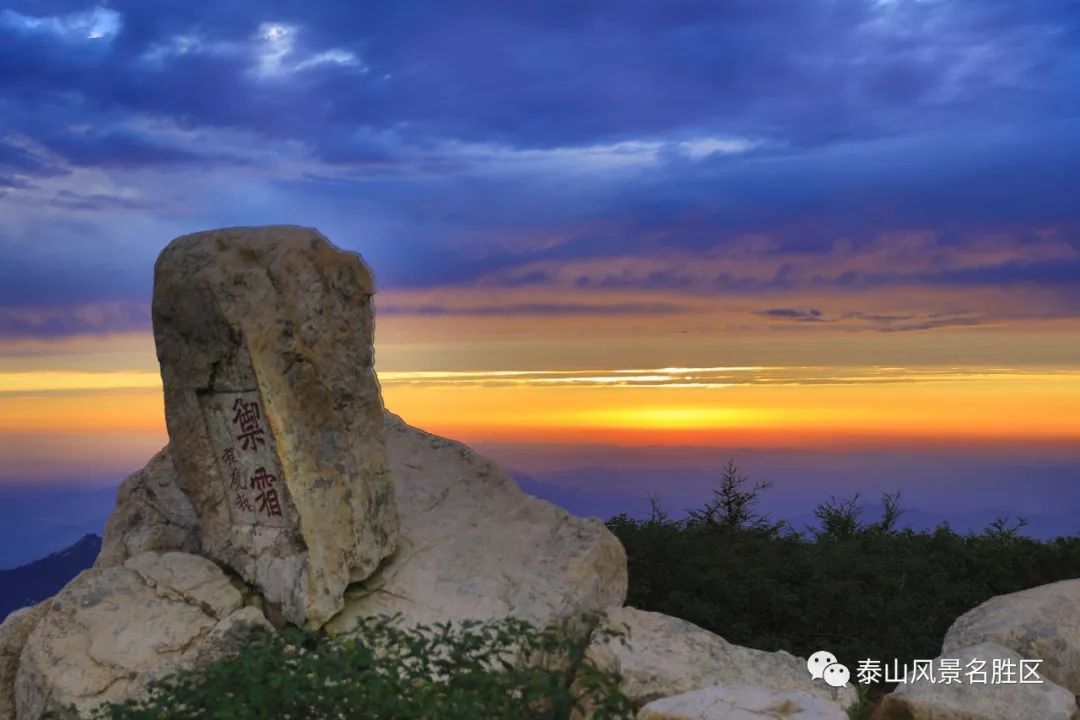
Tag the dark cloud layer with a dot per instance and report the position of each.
(562, 73)
(458, 142)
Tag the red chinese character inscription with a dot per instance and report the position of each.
(246, 417)
(236, 480)
(267, 498)
(243, 503)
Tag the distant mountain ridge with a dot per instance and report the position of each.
(31, 583)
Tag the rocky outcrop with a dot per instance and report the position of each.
(151, 514)
(1042, 623)
(13, 633)
(660, 656)
(986, 700)
(265, 340)
(742, 702)
(473, 545)
(287, 485)
(113, 630)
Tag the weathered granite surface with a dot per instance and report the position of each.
(1041, 623)
(967, 700)
(474, 546)
(660, 656)
(113, 630)
(265, 340)
(151, 513)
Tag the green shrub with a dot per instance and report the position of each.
(469, 671)
(859, 589)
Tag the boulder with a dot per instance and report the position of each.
(742, 702)
(966, 700)
(1042, 623)
(473, 545)
(113, 630)
(151, 514)
(659, 656)
(265, 340)
(13, 633)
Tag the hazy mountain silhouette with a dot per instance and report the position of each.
(32, 583)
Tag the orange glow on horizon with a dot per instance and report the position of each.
(97, 402)
(87, 413)
(668, 405)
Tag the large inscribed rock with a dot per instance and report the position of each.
(472, 544)
(264, 336)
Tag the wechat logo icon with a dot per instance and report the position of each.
(823, 666)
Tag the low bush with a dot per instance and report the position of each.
(859, 589)
(469, 671)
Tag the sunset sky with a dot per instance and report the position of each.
(834, 225)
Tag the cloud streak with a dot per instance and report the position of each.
(546, 309)
(56, 322)
(718, 378)
(721, 377)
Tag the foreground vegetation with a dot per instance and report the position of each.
(469, 671)
(859, 589)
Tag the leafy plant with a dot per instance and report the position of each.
(383, 671)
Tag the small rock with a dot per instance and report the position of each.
(742, 702)
(1041, 623)
(966, 700)
(660, 656)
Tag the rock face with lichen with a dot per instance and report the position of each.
(265, 340)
